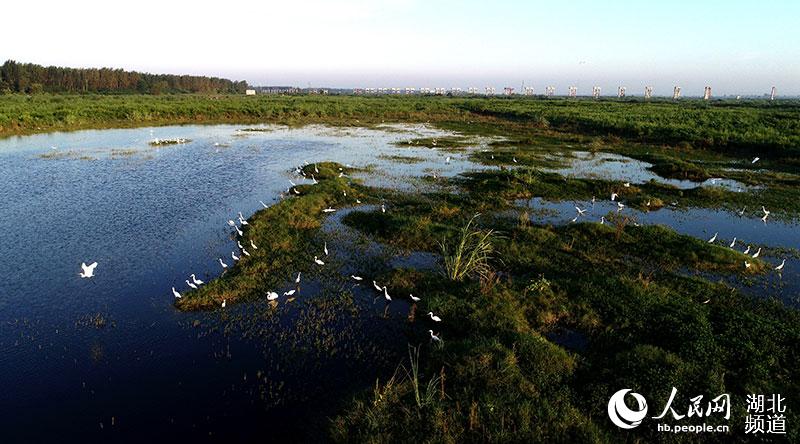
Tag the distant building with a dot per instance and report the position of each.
(277, 89)
(508, 91)
(676, 93)
(249, 92)
(596, 92)
(550, 91)
(648, 92)
(772, 94)
(707, 93)
(573, 91)
(621, 92)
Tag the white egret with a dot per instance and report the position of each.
(514, 159)
(434, 317)
(620, 206)
(238, 231)
(295, 191)
(614, 196)
(713, 238)
(581, 212)
(293, 184)
(224, 265)
(747, 251)
(289, 293)
(707, 301)
(574, 219)
(733, 243)
(242, 220)
(755, 159)
(252, 244)
(195, 280)
(329, 210)
(741, 213)
(377, 287)
(244, 252)
(602, 220)
(315, 169)
(434, 337)
(314, 180)
(626, 184)
(357, 278)
(319, 262)
(87, 271)
(447, 159)
(383, 208)
(224, 303)
(263, 204)
(271, 296)
(191, 285)
(234, 256)
(358, 201)
(757, 253)
(231, 222)
(746, 264)
(414, 298)
(325, 248)
(386, 295)
(239, 244)
(780, 267)
(297, 280)
(175, 293)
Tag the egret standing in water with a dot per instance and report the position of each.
(263, 204)
(780, 267)
(224, 265)
(386, 295)
(87, 271)
(234, 257)
(297, 281)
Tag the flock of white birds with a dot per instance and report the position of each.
(87, 271)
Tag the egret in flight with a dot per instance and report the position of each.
(580, 211)
(87, 271)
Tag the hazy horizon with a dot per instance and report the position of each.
(736, 47)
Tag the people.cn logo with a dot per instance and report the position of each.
(622, 416)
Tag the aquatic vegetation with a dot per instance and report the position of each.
(469, 255)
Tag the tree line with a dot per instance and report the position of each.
(32, 78)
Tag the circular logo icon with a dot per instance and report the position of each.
(622, 416)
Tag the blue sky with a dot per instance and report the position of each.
(737, 47)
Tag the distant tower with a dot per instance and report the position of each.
(573, 91)
(707, 93)
(676, 93)
(549, 91)
(508, 91)
(648, 92)
(621, 92)
(772, 94)
(596, 92)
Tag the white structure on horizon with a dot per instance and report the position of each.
(473, 90)
(573, 91)
(596, 92)
(249, 92)
(648, 92)
(621, 92)
(676, 93)
(528, 90)
(707, 93)
(772, 94)
(490, 90)
(549, 91)
(508, 91)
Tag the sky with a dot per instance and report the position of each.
(735, 46)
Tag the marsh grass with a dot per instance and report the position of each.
(469, 254)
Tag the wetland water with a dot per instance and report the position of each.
(110, 357)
